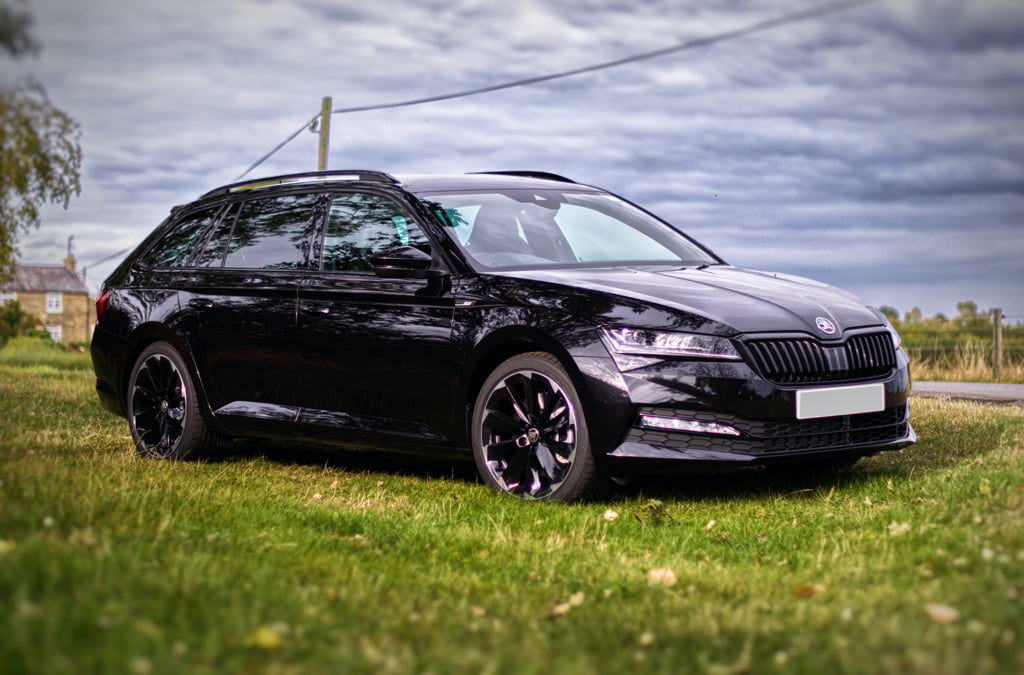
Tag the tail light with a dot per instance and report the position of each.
(101, 304)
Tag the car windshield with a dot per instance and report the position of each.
(549, 228)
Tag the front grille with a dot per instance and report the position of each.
(766, 437)
(805, 360)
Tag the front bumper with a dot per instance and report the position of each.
(769, 441)
(736, 417)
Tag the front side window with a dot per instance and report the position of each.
(361, 225)
(8, 296)
(268, 233)
(54, 303)
(534, 228)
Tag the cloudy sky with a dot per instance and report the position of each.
(879, 148)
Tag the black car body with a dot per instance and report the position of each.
(559, 333)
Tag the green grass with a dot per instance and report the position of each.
(40, 352)
(279, 559)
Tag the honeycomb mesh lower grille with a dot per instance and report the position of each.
(767, 437)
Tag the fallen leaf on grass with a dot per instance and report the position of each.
(809, 591)
(941, 613)
(662, 576)
(563, 608)
(896, 529)
(266, 637)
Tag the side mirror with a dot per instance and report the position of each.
(404, 262)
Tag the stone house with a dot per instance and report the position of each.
(56, 297)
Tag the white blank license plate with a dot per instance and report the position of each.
(862, 398)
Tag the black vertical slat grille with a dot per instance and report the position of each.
(803, 360)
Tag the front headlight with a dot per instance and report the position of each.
(644, 342)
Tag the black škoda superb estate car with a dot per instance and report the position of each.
(557, 332)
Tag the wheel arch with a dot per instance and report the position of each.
(497, 348)
(146, 334)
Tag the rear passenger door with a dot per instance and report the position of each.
(240, 308)
(375, 354)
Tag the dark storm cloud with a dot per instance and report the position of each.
(879, 147)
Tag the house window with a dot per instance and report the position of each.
(8, 296)
(54, 303)
(56, 332)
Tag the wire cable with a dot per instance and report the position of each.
(759, 27)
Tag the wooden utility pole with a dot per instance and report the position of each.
(325, 134)
(997, 342)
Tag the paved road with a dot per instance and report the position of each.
(1007, 394)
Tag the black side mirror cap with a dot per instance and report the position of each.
(404, 262)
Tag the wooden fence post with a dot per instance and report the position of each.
(997, 342)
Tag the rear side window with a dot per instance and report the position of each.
(175, 248)
(362, 225)
(270, 233)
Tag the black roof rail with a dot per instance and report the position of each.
(529, 174)
(305, 177)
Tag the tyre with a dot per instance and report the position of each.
(163, 412)
(529, 432)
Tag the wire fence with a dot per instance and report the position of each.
(966, 357)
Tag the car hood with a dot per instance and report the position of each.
(739, 300)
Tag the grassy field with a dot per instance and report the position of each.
(945, 352)
(277, 559)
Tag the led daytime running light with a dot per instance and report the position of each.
(662, 343)
(692, 426)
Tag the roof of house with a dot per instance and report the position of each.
(44, 279)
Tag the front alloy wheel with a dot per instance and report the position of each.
(529, 433)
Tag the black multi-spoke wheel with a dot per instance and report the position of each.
(529, 433)
(162, 411)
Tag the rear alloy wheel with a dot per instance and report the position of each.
(529, 433)
(163, 413)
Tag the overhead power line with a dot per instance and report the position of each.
(758, 27)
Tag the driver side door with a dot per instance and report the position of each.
(374, 353)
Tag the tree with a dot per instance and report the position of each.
(890, 313)
(15, 38)
(968, 314)
(15, 322)
(40, 157)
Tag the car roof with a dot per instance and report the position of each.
(418, 183)
(489, 180)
